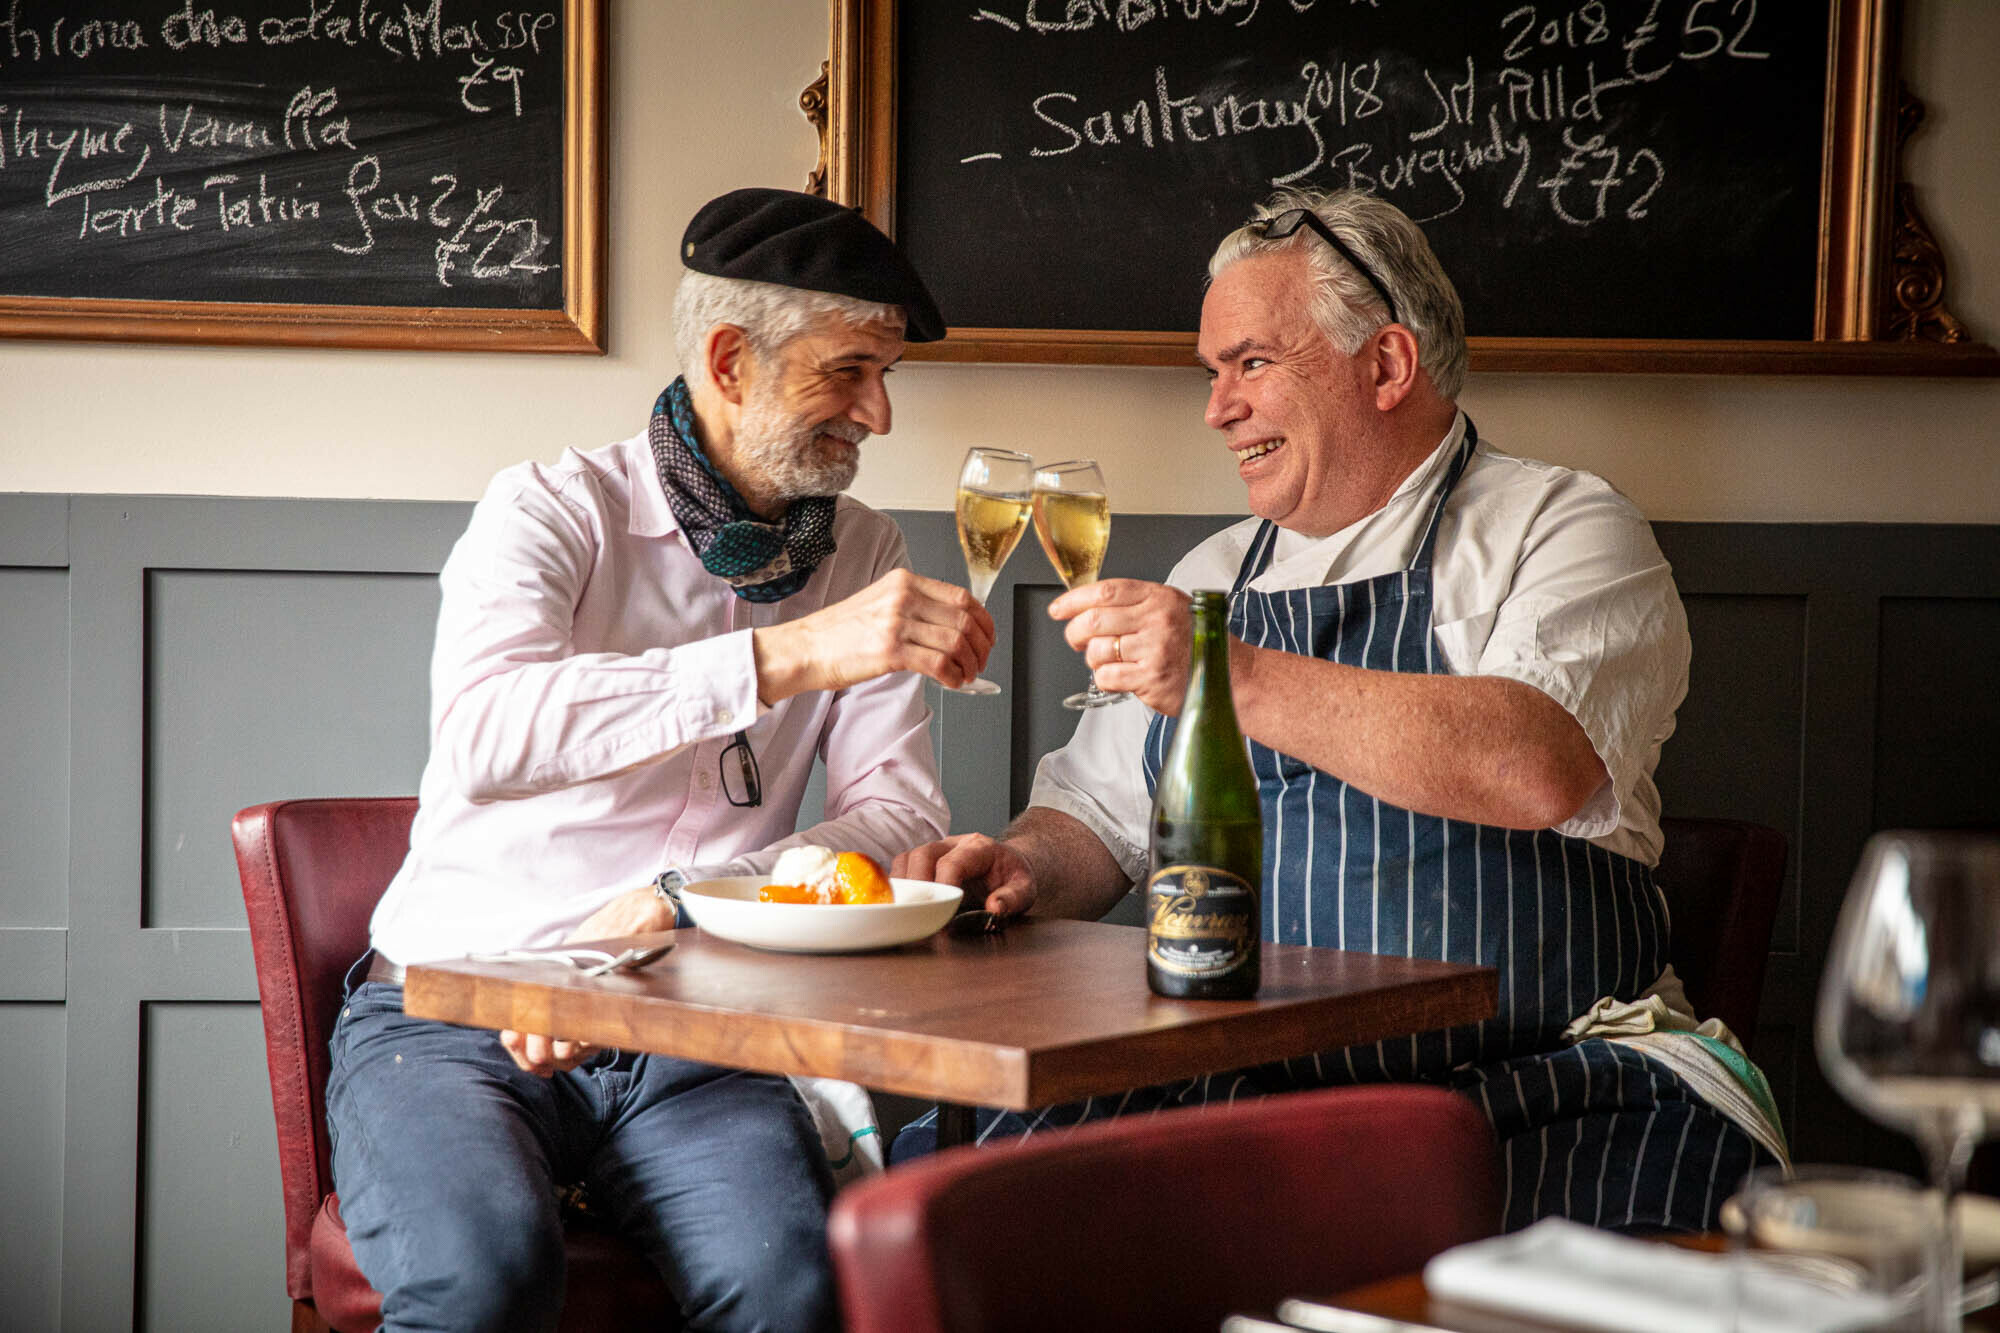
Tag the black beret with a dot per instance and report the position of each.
(801, 240)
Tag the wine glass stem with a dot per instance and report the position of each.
(1948, 1157)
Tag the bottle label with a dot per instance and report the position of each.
(1198, 920)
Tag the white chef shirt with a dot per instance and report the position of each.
(1541, 574)
(587, 675)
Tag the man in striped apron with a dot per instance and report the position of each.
(1455, 669)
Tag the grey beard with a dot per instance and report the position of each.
(776, 451)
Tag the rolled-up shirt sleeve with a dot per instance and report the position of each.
(513, 711)
(1593, 620)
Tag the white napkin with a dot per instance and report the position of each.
(1564, 1272)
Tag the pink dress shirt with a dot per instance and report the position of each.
(587, 675)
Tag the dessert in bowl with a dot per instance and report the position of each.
(800, 908)
(818, 877)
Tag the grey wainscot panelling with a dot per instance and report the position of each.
(34, 893)
(1842, 683)
(218, 652)
(169, 661)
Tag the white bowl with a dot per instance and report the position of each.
(729, 908)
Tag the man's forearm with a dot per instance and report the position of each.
(1075, 874)
(1479, 748)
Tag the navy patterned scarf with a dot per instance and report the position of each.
(761, 562)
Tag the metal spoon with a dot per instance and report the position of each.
(629, 961)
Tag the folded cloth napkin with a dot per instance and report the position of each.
(1566, 1273)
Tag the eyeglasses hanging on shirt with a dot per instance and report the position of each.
(741, 782)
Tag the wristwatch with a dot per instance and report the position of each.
(667, 887)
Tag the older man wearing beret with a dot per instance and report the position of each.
(641, 649)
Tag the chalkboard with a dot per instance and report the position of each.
(1609, 182)
(353, 172)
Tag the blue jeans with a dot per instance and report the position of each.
(448, 1159)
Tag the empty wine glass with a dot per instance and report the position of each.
(994, 486)
(1073, 521)
(1909, 1009)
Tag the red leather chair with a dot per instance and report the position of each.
(1721, 878)
(1171, 1221)
(312, 871)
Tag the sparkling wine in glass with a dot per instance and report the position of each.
(1908, 1027)
(994, 487)
(1073, 521)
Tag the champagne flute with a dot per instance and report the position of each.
(1073, 521)
(1908, 1025)
(993, 497)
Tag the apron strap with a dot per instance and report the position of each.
(1428, 546)
(1257, 559)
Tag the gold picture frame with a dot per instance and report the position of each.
(577, 327)
(1863, 321)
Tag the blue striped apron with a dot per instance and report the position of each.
(1595, 1131)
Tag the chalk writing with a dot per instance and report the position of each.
(1515, 101)
(1048, 17)
(372, 203)
(1600, 168)
(265, 141)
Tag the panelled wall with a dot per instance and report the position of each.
(165, 662)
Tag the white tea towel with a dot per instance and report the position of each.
(1706, 1055)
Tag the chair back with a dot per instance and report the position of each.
(312, 871)
(1721, 878)
(1171, 1221)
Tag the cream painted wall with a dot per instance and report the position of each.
(704, 98)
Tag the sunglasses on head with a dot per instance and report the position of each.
(1285, 224)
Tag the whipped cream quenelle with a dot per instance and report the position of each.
(814, 868)
(816, 875)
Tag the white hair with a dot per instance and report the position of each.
(1343, 303)
(770, 316)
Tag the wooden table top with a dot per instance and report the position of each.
(1044, 1012)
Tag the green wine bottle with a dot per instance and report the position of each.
(1206, 875)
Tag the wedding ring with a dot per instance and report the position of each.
(1117, 648)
